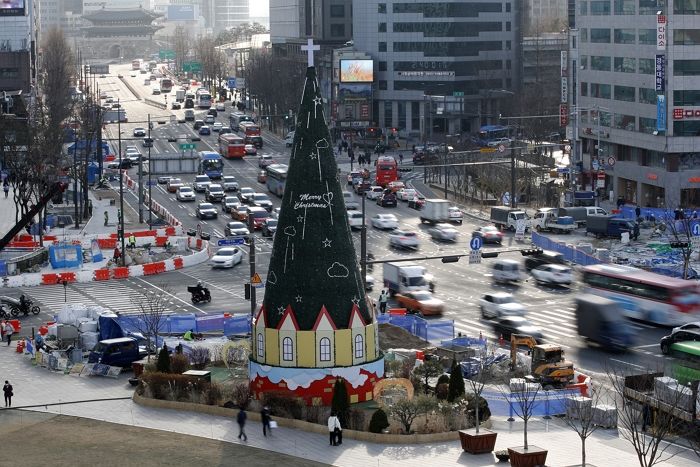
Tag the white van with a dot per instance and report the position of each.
(507, 270)
(289, 139)
(355, 219)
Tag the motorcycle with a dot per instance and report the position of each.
(199, 294)
(17, 306)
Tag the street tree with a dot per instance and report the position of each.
(479, 374)
(406, 411)
(151, 312)
(431, 368)
(182, 45)
(524, 397)
(580, 413)
(680, 237)
(242, 32)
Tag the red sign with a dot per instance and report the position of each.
(563, 114)
(694, 179)
(679, 113)
(364, 111)
(652, 176)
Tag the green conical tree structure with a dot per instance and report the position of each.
(456, 388)
(313, 263)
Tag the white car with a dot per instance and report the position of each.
(226, 257)
(374, 192)
(139, 132)
(385, 221)
(220, 107)
(403, 239)
(185, 193)
(355, 219)
(555, 274)
(209, 119)
(350, 202)
(217, 126)
(230, 203)
(237, 229)
(201, 182)
(498, 141)
(369, 283)
(245, 194)
(406, 194)
(444, 233)
(276, 213)
(499, 304)
(229, 182)
(261, 200)
(454, 214)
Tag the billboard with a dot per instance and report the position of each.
(13, 7)
(356, 71)
(354, 91)
(181, 13)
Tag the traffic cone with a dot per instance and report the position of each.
(501, 341)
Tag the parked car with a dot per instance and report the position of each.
(237, 229)
(687, 332)
(385, 221)
(422, 302)
(454, 214)
(443, 233)
(229, 203)
(374, 192)
(214, 193)
(488, 234)
(174, 184)
(265, 160)
(185, 193)
(205, 130)
(229, 182)
(226, 257)
(269, 227)
(245, 194)
(207, 211)
(139, 132)
(406, 194)
(387, 199)
(494, 143)
(163, 179)
(554, 274)
(250, 150)
(403, 239)
(201, 182)
(516, 325)
(350, 202)
(499, 304)
(261, 200)
(175, 105)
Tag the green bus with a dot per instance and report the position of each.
(685, 367)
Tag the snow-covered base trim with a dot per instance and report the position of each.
(315, 385)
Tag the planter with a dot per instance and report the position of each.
(532, 457)
(477, 443)
(502, 456)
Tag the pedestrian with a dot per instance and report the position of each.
(620, 202)
(6, 189)
(335, 431)
(7, 391)
(241, 418)
(117, 254)
(340, 148)
(119, 216)
(106, 218)
(9, 330)
(132, 241)
(265, 418)
(383, 298)
(400, 158)
(368, 158)
(638, 212)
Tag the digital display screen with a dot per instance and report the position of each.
(356, 71)
(12, 7)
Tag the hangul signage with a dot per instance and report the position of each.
(564, 62)
(660, 32)
(564, 89)
(660, 73)
(563, 114)
(660, 112)
(686, 113)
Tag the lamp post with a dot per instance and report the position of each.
(120, 218)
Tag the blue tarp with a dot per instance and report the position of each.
(65, 256)
(109, 327)
(237, 325)
(545, 402)
(180, 324)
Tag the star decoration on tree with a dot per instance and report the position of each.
(312, 155)
(280, 310)
(318, 100)
(355, 300)
(300, 218)
(298, 298)
(326, 243)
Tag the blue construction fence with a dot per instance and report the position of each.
(569, 253)
(180, 324)
(433, 330)
(540, 404)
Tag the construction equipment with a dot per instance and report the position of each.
(548, 365)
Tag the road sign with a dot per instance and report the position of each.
(520, 230)
(475, 243)
(594, 164)
(230, 241)
(487, 149)
(152, 183)
(184, 146)
(475, 257)
(458, 93)
(696, 229)
(611, 161)
(165, 54)
(194, 67)
(501, 148)
(256, 282)
(232, 83)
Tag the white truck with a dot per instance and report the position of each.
(435, 211)
(405, 277)
(180, 95)
(547, 219)
(505, 217)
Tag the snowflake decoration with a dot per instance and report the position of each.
(326, 243)
(356, 300)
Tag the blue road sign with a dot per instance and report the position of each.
(475, 243)
(230, 241)
(696, 229)
(232, 83)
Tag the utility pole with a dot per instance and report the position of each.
(363, 245)
(150, 169)
(446, 169)
(251, 257)
(513, 200)
(120, 218)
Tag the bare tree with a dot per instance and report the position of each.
(152, 305)
(524, 397)
(181, 44)
(580, 416)
(406, 411)
(479, 374)
(681, 236)
(242, 32)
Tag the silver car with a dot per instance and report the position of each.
(443, 233)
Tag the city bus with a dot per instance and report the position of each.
(136, 65)
(203, 99)
(251, 133)
(236, 118)
(685, 366)
(166, 85)
(489, 133)
(387, 171)
(211, 164)
(231, 146)
(277, 178)
(645, 295)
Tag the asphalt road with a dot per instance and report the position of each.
(460, 284)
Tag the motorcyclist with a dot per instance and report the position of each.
(23, 303)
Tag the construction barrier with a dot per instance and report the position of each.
(102, 274)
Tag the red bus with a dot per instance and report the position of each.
(231, 146)
(387, 170)
(251, 133)
(166, 85)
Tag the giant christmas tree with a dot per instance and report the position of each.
(315, 323)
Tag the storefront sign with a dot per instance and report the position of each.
(564, 89)
(563, 114)
(601, 180)
(354, 124)
(426, 73)
(686, 113)
(564, 62)
(660, 73)
(364, 111)
(694, 179)
(660, 32)
(651, 176)
(660, 112)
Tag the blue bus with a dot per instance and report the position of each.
(488, 133)
(277, 178)
(211, 164)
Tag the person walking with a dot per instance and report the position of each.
(9, 330)
(6, 189)
(401, 158)
(265, 418)
(383, 298)
(7, 391)
(241, 418)
(106, 218)
(335, 431)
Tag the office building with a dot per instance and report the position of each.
(19, 35)
(221, 15)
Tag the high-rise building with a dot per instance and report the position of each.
(19, 34)
(639, 100)
(221, 15)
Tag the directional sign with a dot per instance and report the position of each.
(194, 67)
(230, 241)
(474, 257)
(232, 83)
(165, 54)
(475, 243)
(696, 229)
(256, 282)
(501, 148)
(184, 146)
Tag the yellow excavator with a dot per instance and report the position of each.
(548, 365)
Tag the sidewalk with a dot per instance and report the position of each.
(30, 384)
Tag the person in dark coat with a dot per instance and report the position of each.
(638, 212)
(241, 418)
(265, 418)
(7, 391)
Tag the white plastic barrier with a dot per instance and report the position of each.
(136, 270)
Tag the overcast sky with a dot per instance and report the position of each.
(260, 8)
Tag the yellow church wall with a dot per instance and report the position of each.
(306, 355)
(343, 347)
(371, 353)
(272, 347)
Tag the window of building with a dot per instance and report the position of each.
(381, 8)
(507, 7)
(325, 349)
(600, 7)
(647, 125)
(337, 30)
(600, 63)
(359, 347)
(388, 111)
(381, 66)
(415, 116)
(508, 45)
(647, 66)
(686, 128)
(261, 346)
(287, 349)
(686, 67)
(648, 7)
(382, 46)
(600, 36)
(337, 11)
(686, 7)
(582, 8)
(383, 85)
(625, 93)
(625, 36)
(625, 7)
(584, 89)
(507, 25)
(402, 114)
(686, 36)
(647, 96)
(687, 97)
(605, 118)
(625, 65)
(600, 90)
(583, 61)
(647, 36)
(9, 73)
(382, 27)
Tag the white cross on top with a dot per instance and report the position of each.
(309, 48)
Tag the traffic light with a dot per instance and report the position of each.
(679, 244)
(489, 254)
(247, 291)
(531, 251)
(450, 259)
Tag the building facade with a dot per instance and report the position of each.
(123, 33)
(221, 15)
(19, 36)
(443, 67)
(639, 100)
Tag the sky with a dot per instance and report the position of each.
(260, 8)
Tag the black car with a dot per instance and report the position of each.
(148, 142)
(387, 199)
(213, 112)
(269, 227)
(546, 257)
(198, 124)
(687, 332)
(509, 325)
(176, 106)
(189, 104)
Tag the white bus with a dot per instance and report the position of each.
(203, 99)
(277, 178)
